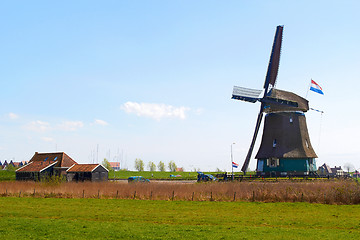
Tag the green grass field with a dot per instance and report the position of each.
(10, 175)
(49, 218)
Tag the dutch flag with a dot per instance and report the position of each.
(315, 87)
(235, 165)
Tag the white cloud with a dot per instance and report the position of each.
(38, 126)
(13, 116)
(101, 122)
(155, 111)
(47, 139)
(71, 125)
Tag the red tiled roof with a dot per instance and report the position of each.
(114, 164)
(83, 168)
(16, 164)
(62, 158)
(36, 166)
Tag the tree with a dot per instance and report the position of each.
(161, 166)
(139, 164)
(151, 166)
(106, 164)
(349, 167)
(172, 166)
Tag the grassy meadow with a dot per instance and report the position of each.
(54, 218)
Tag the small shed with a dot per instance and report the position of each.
(87, 172)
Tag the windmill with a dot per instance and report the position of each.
(285, 148)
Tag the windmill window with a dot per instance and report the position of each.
(307, 144)
(274, 143)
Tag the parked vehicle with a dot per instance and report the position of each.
(205, 177)
(174, 176)
(138, 179)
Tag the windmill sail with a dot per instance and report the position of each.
(246, 94)
(257, 127)
(274, 62)
(271, 75)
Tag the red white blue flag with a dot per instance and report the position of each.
(315, 87)
(235, 165)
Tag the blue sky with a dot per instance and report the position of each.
(153, 79)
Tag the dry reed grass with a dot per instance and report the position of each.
(328, 192)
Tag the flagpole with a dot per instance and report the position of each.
(232, 166)
(308, 89)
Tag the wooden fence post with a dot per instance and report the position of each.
(253, 198)
(211, 198)
(192, 198)
(172, 199)
(151, 195)
(117, 194)
(20, 193)
(98, 193)
(134, 194)
(34, 193)
(234, 196)
(83, 193)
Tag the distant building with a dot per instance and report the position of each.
(179, 170)
(4, 165)
(115, 166)
(19, 164)
(326, 170)
(338, 171)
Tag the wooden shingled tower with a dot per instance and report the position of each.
(285, 148)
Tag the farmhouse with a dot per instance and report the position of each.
(43, 165)
(87, 172)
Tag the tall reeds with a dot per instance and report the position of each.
(328, 192)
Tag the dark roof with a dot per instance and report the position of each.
(327, 168)
(63, 160)
(84, 167)
(36, 166)
(303, 104)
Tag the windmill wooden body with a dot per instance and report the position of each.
(285, 147)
